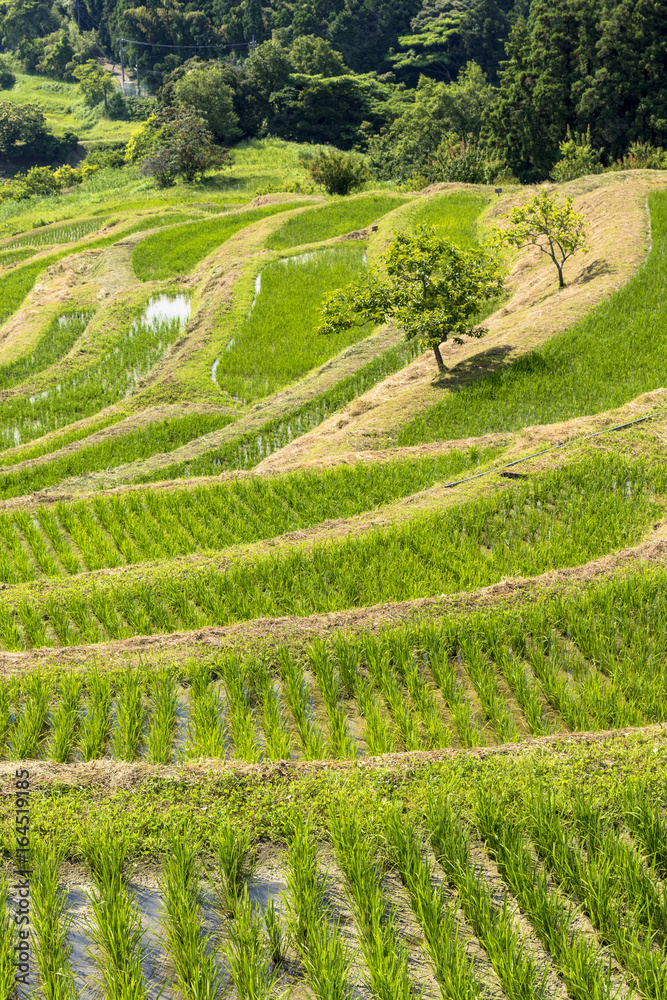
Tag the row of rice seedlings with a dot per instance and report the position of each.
(239, 710)
(453, 971)
(648, 827)
(127, 732)
(64, 719)
(324, 956)
(496, 927)
(385, 954)
(576, 958)
(188, 946)
(386, 681)
(559, 691)
(341, 744)
(51, 922)
(378, 736)
(206, 733)
(41, 555)
(465, 723)
(524, 690)
(633, 877)
(20, 568)
(95, 724)
(278, 741)
(160, 736)
(28, 731)
(92, 543)
(249, 956)
(485, 681)
(297, 696)
(594, 882)
(115, 928)
(408, 666)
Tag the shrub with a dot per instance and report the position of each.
(337, 172)
(468, 161)
(578, 157)
(176, 142)
(7, 78)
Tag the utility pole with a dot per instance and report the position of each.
(122, 70)
(253, 43)
(136, 70)
(78, 16)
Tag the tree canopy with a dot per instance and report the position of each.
(426, 285)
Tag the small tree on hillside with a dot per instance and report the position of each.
(95, 82)
(557, 230)
(337, 172)
(432, 289)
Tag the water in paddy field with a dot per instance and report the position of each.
(214, 366)
(166, 309)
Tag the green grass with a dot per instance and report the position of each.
(335, 219)
(277, 343)
(176, 252)
(149, 525)
(611, 356)
(564, 518)
(455, 216)
(57, 441)
(143, 442)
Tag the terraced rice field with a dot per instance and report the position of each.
(385, 722)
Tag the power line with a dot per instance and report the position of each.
(218, 45)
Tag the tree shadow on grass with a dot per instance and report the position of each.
(469, 370)
(595, 269)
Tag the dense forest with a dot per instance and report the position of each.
(414, 84)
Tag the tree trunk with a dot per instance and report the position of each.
(438, 358)
(561, 283)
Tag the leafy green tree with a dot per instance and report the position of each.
(59, 55)
(315, 56)
(177, 142)
(21, 125)
(24, 22)
(337, 172)
(205, 90)
(428, 286)
(95, 82)
(577, 157)
(557, 230)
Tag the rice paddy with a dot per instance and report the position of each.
(340, 731)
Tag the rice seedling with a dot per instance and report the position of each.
(28, 732)
(51, 923)
(378, 736)
(452, 969)
(524, 690)
(188, 947)
(341, 744)
(35, 540)
(621, 359)
(274, 344)
(297, 696)
(33, 623)
(347, 658)
(95, 724)
(237, 862)
(305, 887)
(276, 933)
(248, 957)
(206, 735)
(576, 958)
(64, 719)
(50, 527)
(324, 222)
(241, 722)
(130, 717)
(176, 251)
(7, 694)
(8, 943)
(463, 717)
(384, 952)
(279, 743)
(495, 926)
(115, 928)
(160, 737)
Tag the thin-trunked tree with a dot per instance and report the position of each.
(427, 285)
